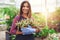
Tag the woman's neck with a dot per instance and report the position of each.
(25, 15)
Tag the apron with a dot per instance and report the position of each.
(24, 37)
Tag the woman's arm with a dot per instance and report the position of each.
(18, 32)
(13, 29)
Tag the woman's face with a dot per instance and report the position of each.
(25, 8)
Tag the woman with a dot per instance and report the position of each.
(25, 12)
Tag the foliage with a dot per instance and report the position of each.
(51, 31)
(45, 32)
(23, 23)
(39, 17)
(11, 12)
(26, 22)
(1, 13)
(13, 37)
(3, 22)
(54, 17)
(54, 36)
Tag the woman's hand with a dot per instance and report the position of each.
(18, 32)
(37, 30)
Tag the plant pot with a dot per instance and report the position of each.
(7, 36)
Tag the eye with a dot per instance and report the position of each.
(27, 6)
(23, 6)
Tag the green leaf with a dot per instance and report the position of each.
(51, 31)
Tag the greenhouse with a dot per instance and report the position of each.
(45, 21)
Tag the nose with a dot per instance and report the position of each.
(25, 7)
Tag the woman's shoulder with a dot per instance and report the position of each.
(16, 17)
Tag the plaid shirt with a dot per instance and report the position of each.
(13, 27)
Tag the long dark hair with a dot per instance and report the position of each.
(29, 13)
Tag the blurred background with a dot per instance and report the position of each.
(46, 12)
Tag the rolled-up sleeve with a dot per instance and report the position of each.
(13, 27)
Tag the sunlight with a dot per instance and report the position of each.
(51, 9)
(43, 5)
